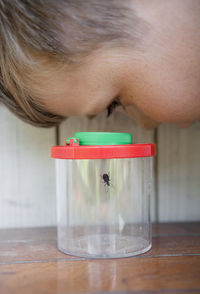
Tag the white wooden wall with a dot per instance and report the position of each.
(27, 176)
(27, 187)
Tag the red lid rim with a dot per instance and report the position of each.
(103, 151)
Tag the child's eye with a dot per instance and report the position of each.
(112, 106)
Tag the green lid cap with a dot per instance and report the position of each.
(101, 138)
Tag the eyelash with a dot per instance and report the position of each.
(112, 106)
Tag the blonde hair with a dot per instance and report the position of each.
(33, 32)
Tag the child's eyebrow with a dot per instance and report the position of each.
(116, 102)
(113, 105)
(91, 116)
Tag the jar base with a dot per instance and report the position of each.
(104, 246)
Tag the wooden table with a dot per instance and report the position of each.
(30, 263)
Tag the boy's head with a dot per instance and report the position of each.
(74, 57)
(44, 42)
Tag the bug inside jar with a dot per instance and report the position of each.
(106, 179)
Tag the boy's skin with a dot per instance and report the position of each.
(159, 82)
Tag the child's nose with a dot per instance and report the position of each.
(136, 114)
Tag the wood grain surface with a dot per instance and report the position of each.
(30, 263)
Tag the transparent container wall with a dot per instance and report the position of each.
(104, 207)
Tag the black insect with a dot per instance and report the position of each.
(106, 179)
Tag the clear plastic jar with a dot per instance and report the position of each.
(104, 203)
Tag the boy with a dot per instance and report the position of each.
(75, 57)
